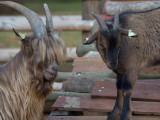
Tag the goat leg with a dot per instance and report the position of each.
(129, 80)
(126, 111)
(116, 112)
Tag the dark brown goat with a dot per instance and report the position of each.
(126, 55)
(26, 80)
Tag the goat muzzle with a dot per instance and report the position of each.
(50, 75)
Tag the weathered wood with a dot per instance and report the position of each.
(60, 22)
(89, 64)
(99, 118)
(55, 18)
(59, 113)
(110, 7)
(88, 7)
(98, 75)
(6, 54)
(77, 118)
(142, 91)
(79, 85)
(83, 49)
(55, 94)
(96, 64)
(66, 75)
(57, 86)
(103, 105)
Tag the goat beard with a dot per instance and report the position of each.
(42, 85)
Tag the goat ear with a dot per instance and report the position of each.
(91, 39)
(20, 35)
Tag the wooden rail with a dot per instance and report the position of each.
(7, 23)
(7, 54)
(76, 22)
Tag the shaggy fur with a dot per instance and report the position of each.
(127, 56)
(23, 87)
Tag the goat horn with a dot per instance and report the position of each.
(116, 21)
(103, 27)
(35, 21)
(49, 22)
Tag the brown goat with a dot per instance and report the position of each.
(127, 55)
(26, 80)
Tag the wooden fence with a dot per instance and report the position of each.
(82, 22)
(69, 23)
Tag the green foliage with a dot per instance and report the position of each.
(10, 40)
(58, 7)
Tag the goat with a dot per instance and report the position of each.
(127, 55)
(26, 80)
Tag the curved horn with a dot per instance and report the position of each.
(91, 39)
(49, 22)
(116, 21)
(35, 21)
(103, 27)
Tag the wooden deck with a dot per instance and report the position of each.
(98, 118)
(145, 98)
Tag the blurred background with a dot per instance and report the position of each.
(57, 7)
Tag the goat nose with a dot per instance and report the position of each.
(55, 68)
(112, 65)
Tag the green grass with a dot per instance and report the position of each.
(9, 40)
(57, 7)
(72, 38)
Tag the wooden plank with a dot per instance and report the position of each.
(96, 64)
(103, 105)
(77, 118)
(89, 64)
(99, 118)
(55, 94)
(105, 75)
(62, 23)
(145, 91)
(79, 85)
(8, 53)
(83, 49)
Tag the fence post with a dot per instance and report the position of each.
(89, 6)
